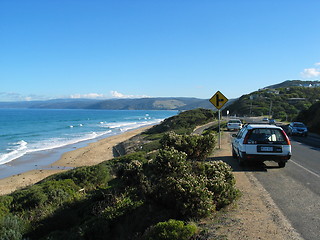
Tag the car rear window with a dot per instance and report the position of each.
(299, 125)
(266, 135)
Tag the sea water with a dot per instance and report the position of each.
(27, 131)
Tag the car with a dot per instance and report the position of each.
(234, 124)
(261, 142)
(272, 121)
(297, 128)
(265, 119)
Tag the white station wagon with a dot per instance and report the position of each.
(234, 124)
(261, 142)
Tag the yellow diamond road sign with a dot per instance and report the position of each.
(218, 100)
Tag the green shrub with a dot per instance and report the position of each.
(170, 230)
(186, 195)
(5, 204)
(29, 198)
(220, 181)
(119, 206)
(132, 175)
(11, 227)
(170, 162)
(86, 177)
(184, 123)
(197, 147)
(60, 192)
(176, 186)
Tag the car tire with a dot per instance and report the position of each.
(241, 160)
(234, 154)
(282, 164)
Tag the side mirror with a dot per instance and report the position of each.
(234, 135)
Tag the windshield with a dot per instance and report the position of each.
(234, 121)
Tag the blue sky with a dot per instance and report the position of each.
(155, 48)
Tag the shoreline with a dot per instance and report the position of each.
(89, 154)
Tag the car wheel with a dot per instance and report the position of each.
(234, 154)
(282, 164)
(241, 161)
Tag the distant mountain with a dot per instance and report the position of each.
(51, 104)
(294, 83)
(179, 103)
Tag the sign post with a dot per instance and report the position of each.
(218, 100)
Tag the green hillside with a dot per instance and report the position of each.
(281, 103)
(294, 83)
(311, 117)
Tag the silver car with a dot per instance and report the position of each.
(234, 124)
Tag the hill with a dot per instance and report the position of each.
(147, 104)
(179, 103)
(311, 117)
(294, 83)
(282, 103)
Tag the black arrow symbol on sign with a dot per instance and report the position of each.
(218, 100)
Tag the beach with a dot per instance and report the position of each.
(89, 155)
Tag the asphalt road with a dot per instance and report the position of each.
(295, 188)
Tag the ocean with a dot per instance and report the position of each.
(28, 133)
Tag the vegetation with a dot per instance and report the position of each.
(281, 103)
(185, 122)
(141, 195)
(170, 230)
(311, 117)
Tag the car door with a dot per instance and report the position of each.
(238, 141)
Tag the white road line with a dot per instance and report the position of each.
(309, 171)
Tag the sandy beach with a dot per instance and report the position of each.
(89, 155)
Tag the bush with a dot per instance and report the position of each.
(195, 146)
(176, 186)
(11, 227)
(184, 123)
(119, 206)
(60, 192)
(186, 195)
(132, 176)
(5, 204)
(220, 181)
(29, 198)
(170, 230)
(170, 162)
(86, 177)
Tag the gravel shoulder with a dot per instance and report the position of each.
(254, 215)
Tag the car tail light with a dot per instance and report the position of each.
(286, 137)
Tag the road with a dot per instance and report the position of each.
(295, 189)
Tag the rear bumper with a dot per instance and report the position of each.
(260, 157)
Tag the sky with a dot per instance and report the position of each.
(154, 48)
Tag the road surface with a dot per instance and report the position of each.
(296, 188)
